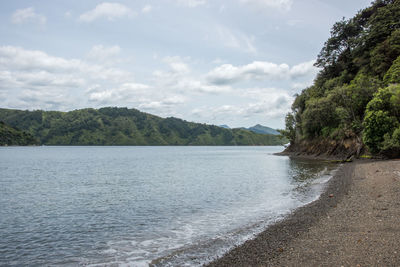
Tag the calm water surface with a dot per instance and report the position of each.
(132, 206)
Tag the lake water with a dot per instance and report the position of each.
(132, 206)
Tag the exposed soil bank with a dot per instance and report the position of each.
(326, 148)
(355, 222)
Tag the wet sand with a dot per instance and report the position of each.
(356, 222)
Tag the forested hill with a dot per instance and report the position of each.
(353, 105)
(263, 130)
(10, 136)
(122, 126)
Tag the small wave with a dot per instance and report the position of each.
(205, 252)
(184, 250)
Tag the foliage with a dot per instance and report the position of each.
(382, 121)
(339, 111)
(360, 57)
(319, 114)
(123, 126)
(290, 131)
(385, 53)
(10, 136)
(262, 130)
(393, 74)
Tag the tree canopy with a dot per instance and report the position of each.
(360, 67)
(123, 126)
(10, 136)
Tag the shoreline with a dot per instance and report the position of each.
(323, 157)
(353, 223)
(272, 241)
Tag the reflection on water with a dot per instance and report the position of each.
(310, 176)
(301, 170)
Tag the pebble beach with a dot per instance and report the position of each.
(355, 222)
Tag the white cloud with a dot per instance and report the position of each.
(266, 103)
(142, 96)
(270, 102)
(147, 9)
(110, 11)
(27, 15)
(177, 65)
(227, 73)
(136, 87)
(55, 81)
(178, 78)
(44, 99)
(236, 40)
(122, 93)
(103, 54)
(284, 5)
(197, 86)
(103, 96)
(46, 79)
(298, 86)
(191, 3)
(268, 109)
(184, 83)
(34, 79)
(19, 59)
(168, 102)
(303, 69)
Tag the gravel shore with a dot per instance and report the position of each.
(356, 222)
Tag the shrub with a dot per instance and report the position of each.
(381, 123)
(393, 74)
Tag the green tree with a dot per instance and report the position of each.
(393, 74)
(360, 56)
(290, 130)
(382, 120)
(122, 126)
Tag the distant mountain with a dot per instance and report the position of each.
(10, 136)
(123, 126)
(224, 126)
(260, 129)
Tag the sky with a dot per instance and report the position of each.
(233, 62)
